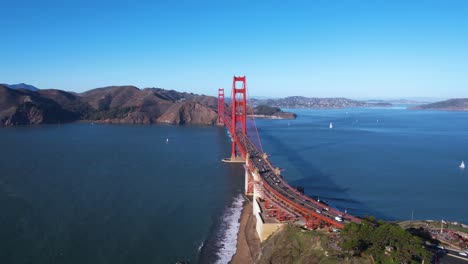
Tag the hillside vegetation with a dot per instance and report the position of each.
(293, 244)
(385, 242)
(370, 241)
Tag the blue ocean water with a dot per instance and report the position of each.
(387, 162)
(84, 193)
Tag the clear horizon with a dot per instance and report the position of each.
(353, 49)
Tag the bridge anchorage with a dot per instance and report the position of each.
(275, 202)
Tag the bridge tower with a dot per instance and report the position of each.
(221, 104)
(239, 112)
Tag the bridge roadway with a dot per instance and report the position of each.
(275, 183)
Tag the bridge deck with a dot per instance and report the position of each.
(274, 185)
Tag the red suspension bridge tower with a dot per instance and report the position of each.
(221, 105)
(239, 114)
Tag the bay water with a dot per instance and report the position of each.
(85, 193)
(392, 163)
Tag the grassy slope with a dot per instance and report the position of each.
(294, 245)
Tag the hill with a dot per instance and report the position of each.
(306, 102)
(264, 111)
(21, 107)
(294, 245)
(113, 104)
(458, 104)
(371, 241)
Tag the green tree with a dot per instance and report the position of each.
(384, 241)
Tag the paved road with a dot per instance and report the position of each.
(278, 184)
(447, 256)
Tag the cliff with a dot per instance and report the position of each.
(458, 104)
(114, 104)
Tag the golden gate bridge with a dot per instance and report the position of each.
(275, 202)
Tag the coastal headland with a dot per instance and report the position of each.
(113, 104)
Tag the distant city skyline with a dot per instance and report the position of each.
(354, 49)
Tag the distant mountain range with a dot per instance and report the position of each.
(457, 104)
(114, 104)
(306, 102)
(21, 86)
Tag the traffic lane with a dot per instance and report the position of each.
(283, 189)
(456, 254)
(312, 206)
(278, 185)
(449, 257)
(294, 197)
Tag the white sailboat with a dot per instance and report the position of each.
(331, 125)
(167, 140)
(462, 165)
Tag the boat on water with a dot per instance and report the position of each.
(462, 165)
(331, 125)
(167, 140)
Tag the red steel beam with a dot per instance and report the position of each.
(306, 212)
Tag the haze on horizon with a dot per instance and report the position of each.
(356, 49)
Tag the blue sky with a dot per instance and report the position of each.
(313, 48)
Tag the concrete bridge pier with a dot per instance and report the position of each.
(248, 180)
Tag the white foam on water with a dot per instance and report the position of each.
(230, 227)
(200, 247)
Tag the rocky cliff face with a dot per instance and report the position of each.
(115, 104)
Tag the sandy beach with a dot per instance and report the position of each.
(248, 243)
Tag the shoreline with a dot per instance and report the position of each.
(248, 243)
